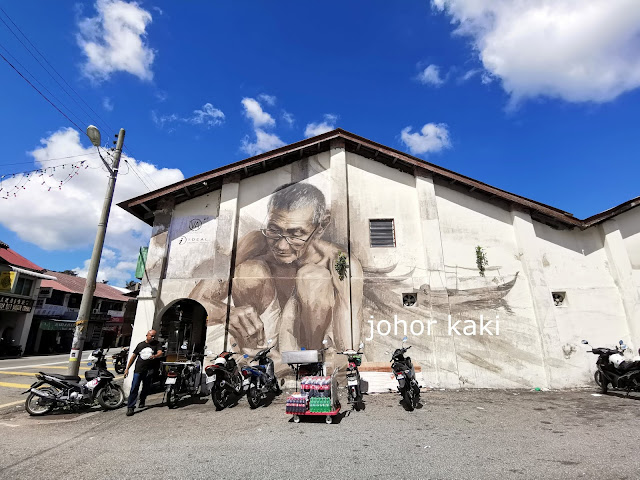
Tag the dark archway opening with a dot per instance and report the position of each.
(183, 324)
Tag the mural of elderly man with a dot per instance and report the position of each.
(285, 284)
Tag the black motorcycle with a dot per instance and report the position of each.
(354, 390)
(226, 379)
(406, 376)
(260, 379)
(621, 374)
(51, 389)
(9, 348)
(183, 378)
(120, 360)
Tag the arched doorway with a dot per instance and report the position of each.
(183, 324)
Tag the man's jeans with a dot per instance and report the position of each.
(146, 378)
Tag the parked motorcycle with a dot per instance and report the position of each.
(183, 378)
(612, 368)
(354, 391)
(406, 376)
(9, 348)
(260, 379)
(120, 360)
(226, 378)
(51, 389)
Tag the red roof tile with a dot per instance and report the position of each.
(76, 285)
(17, 260)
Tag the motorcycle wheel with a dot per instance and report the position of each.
(220, 397)
(37, 406)
(119, 367)
(172, 397)
(254, 397)
(111, 397)
(601, 381)
(407, 395)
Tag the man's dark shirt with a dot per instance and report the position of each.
(145, 351)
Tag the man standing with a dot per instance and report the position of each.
(146, 353)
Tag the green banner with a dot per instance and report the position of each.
(53, 325)
(142, 261)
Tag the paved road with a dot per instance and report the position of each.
(467, 434)
(17, 375)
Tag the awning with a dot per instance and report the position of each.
(33, 274)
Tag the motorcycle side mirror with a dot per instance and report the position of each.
(584, 342)
(621, 342)
(325, 341)
(624, 347)
(361, 345)
(404, 339)
(234, 345)
(270, 341)
(245, 356)
(209, 352)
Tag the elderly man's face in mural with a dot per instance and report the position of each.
(289, 233)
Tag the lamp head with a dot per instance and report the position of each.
(94, 135)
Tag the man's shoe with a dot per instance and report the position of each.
(129, 412)
(141, 405)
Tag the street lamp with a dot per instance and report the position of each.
(84, 314)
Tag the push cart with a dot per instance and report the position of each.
(318, 393)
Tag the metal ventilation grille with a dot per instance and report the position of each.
(382, 233)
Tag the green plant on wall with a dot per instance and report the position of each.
(341, 265)
(481, 260)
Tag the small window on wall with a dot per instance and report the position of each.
(382, 233)
(559, 299)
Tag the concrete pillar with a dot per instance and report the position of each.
(622, 273)
(226, 233)
(443, 348)
(152, 279)
(543, 306)
(340, 222)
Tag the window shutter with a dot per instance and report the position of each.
(382, 233)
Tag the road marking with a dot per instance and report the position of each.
(18, 373)
(9, 425)
(15, 385)
(39, 365)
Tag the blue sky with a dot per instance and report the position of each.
(538, 99)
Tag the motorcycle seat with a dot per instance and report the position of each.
(69, 378)
(629, 365)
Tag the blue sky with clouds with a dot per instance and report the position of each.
(539, 98)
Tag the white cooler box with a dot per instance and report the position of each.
(302, 356)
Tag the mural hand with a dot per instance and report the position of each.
(246, 325)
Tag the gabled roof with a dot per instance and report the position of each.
(71, 284)
(144, 205)
(13, 258)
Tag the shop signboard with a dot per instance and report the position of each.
(15, 304)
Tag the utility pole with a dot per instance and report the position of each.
(75, 357)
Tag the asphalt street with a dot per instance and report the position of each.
(456, 434)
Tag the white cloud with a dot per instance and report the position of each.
(114, 41)
(254, 112)
(288, 118)
(107, 104)
(431, 76)
(208, 116)
(268, 99)
(66, 218)
(327, 124)
(432, 138)
(575, 50)
(264, 142)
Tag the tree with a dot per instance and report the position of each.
(131, 284)
(70, 272)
